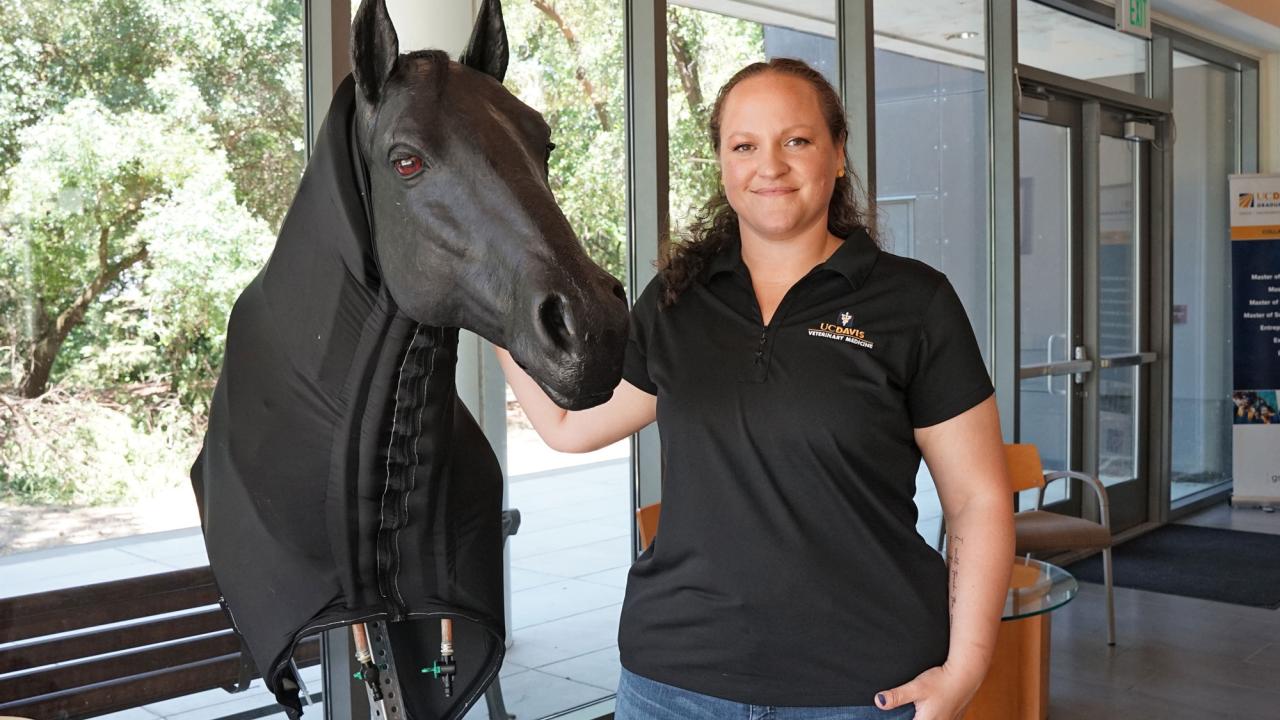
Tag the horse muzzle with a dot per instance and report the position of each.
(575, 347)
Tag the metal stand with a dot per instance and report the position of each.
(497, 707)
(344, 697)
(302, 686)
(340, 666)
(493, 694)
(387, 705)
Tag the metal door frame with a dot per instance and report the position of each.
(1064, 113)
(1089, 118)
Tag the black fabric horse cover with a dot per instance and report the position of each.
(341, 478)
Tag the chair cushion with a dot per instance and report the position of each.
(1042, 531)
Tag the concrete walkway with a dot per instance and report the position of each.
(569, 565)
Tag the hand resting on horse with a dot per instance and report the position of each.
(579, 431)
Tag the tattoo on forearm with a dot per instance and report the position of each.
(953, 565)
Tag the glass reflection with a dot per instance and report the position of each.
(1117, 308)
(1206, 108)
(931, 149)
(1046, 332)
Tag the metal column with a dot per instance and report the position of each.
(648, 209)
(326, 57)
(1003, 206)
(855, 43)
(1249, 103)
(1090, 161)
(326, 62)
(1160, 320)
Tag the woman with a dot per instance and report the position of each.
(798, 374)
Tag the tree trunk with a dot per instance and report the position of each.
(579, 70)
(39, 365)
(50, 336)
(686, 66)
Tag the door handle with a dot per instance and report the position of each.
(1129, 360)
(1048, 358)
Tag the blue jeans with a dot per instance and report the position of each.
(640, 698)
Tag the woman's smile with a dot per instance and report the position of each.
(775, 191)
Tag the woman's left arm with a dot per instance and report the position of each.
(965, 455)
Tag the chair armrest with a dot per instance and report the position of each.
(1104, 505)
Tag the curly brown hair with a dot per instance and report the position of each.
(715, 226)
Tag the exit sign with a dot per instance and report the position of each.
(1134, 17)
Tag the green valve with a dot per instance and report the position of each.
(358, 676)
(433, 670)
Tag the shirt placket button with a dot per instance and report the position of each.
(757, 363)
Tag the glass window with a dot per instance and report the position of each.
(707, 42)
(1046, 334)
(1206, 104)
(147, 160)
(148, 154)
(1118, 307)
(1063, 43)
(931, 157)
(569, 561)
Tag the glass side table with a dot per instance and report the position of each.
(1017, 683)
(1037, 587)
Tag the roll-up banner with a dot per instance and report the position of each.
(1255, 274)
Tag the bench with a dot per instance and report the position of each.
(95, 649)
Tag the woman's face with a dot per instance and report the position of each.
(778, 161)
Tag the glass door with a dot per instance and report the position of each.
(1050, 332)
(1083, 373)
(1123, 363)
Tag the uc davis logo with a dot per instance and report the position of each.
(1258, 200)
(843, 332)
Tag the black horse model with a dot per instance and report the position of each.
(342, 481)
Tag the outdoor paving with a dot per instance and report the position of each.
(569, 565)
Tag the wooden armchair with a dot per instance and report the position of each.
(647, 523)
(1042, 531)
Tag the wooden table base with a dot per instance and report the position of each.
(1017, 684)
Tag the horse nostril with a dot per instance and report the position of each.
(551, 314)
(618, 292)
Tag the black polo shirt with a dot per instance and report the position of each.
(787, 569)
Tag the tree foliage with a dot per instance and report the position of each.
(568, 63)
(148, 152)
(703, 51)
(148, 148)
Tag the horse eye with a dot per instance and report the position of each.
(408, 165)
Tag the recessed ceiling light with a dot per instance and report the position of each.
(966, 35)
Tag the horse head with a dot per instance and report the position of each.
(465, 226)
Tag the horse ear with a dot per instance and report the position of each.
(487, 50)
(374, 48)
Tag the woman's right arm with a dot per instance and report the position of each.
(579, 431)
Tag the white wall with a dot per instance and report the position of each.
(426, 24)
(1269, 111)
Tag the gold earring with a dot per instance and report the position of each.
(841, 173)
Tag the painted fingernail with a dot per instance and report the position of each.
(880, 699)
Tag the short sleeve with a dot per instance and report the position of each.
(949, 375)
(635, 365)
